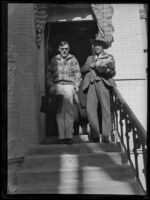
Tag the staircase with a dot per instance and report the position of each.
(81, 168)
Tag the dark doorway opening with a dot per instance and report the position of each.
(78, 34)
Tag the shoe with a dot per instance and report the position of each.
(105, 139)
(76, 133)
(61, 141)
(69, 141)
(95, 140)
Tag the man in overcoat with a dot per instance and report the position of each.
(98, 82)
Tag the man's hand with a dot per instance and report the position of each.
(76, 88)
(92, 65)
(100, 63)
(52, 90)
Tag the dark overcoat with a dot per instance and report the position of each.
(95, 75)
(101, 77)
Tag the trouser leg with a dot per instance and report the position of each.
(61, 125)
(60, 116)
(68, 125)
(65, 117)
(69, 109)
(76, 120)
(104, 99)
(92, 106)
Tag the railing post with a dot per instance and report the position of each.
(135, 147)
(112, 101)
(121, 123)
(145, 162)
(129, 124)
(116, 112)
(127, 138)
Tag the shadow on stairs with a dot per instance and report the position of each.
(81, 168)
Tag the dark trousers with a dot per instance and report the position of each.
(99, 94)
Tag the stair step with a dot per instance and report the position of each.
(76, 139)
(81, 168)
(111, 172)
(75, 148)
(73, 160)
(84, 187)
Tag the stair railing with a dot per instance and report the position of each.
(131, 134)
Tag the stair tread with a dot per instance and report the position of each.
(45, 175)
(73, 183)
(69, 160)
(50, 146)
(45, 169)
(78, 147)
(86, 168)
(69, 155)
(76, 138)
(91, 187)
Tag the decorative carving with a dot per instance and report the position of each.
(103, 14)
(41, 12)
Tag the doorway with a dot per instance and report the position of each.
(78, 34)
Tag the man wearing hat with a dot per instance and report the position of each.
(99, 69)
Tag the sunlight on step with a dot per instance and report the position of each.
(70, 182)
(94, 147)
(92, 175)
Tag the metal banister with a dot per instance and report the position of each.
(131, 133)
(132, 116)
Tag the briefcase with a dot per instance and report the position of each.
(51, 104)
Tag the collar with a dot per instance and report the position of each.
(100, 55)
(58, 56)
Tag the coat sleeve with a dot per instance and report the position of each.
(109, 69)
(111, 72)
(86, 67)
(76, 72)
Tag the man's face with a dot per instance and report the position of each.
(64, 50)
(98, 48)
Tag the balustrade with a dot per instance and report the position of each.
(131, 134)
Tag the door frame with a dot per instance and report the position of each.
(48, 28)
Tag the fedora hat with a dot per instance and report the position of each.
(102, 41)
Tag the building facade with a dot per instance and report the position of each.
(27, 63)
